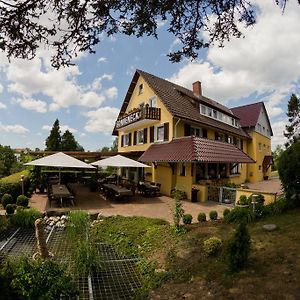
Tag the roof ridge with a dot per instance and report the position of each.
(255, 103)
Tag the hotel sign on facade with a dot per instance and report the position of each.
(128, 119)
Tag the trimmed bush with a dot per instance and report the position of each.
(22, 200)
(213, 215)
(238, 248)
(239, 214)
(25, 217)
(187, 219)
(201, 217)
(226, 212)
(212, 245)
(6, 199)
(244, 200)
(10, 209)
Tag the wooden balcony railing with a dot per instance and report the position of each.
(137, 114)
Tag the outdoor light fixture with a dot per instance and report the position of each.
(254, 201)
(22, 183)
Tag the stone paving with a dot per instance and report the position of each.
(272, 185)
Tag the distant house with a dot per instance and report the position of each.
(191, 141)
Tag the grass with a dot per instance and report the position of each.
(16, 177)
(274, 174)
(274, 265)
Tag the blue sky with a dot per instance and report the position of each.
(86, 98)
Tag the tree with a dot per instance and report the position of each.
(114, 147)
(72, 27)
(292, 131)
(276, 155)
(7, 160)
(288, 169)
(68, 142)
(53, 141)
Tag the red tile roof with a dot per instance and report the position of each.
(195, 149)
(248, 114)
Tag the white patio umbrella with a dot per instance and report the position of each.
(60, 160)
(119, 161)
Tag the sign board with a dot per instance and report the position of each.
(129, 119)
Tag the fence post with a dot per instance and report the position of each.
(221, 194)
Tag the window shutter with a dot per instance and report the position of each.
(187, 130)
(204, 131)
(122, 140)
(134, 137)
(151, 134)
(166, 131)
(145, 135)
(129, 139)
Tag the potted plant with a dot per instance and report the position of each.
(243, 201)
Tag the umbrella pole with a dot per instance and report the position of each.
(59, 174)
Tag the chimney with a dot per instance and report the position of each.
(197, 89)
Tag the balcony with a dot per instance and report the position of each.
(138, 117)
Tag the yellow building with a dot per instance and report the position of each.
(190, 141)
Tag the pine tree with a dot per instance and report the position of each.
(53, 141)
(68, 142)
(292, 130)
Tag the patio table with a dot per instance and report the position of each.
(151, 190)
(60, 191)
(116, 191)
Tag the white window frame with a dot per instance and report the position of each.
(153, 102)
(126, 140)
(235, 171)
(194, 131)
(140, 137)
(140, 88)
(182, 169)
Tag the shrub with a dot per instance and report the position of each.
(239, 214)
(213, 215)
(244, 200)
(30, 279)
(201, 217)
(6, 199)
(288, 169)
(187, 219)
(276, 208)
(178, 211)
(238, 248)
(211, 246)
(10, 209)
(25, 217)
(178, 194)
(226, 212)
(3, 225)
(22, 200)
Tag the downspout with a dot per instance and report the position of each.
(175, 128)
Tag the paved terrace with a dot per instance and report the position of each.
(154, 207)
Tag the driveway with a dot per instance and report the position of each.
(156, 207)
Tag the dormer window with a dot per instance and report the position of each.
(140, 89)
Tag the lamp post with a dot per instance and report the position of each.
(22, 183)
(254, 201)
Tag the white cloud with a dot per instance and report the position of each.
(278, 129)
(19, 129)
(101, 120)
(2, 105)
(102, 59)
(32, 104)
(111, 92)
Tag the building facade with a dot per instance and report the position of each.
(189, 140)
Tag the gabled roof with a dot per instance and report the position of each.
(249, 114)
(181, 102)
(195, 149)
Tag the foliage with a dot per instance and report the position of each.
(226, 212)
(288, 169)
(244, 200)
(15, 178)
(134, 235)
(292, 131)
(240, 214)
(276, 208)
(213, 215)
(53, 141)
(6, 199)
(212, 245)
(276, 155)
(28, 279)
(25, 217)
(68, 142)
(175, 193)
(10, 209)
(238, 248)
(178, 210)
(89, 20)
(3, 223)
(201, 217)
(187, 219)
(22, 200)
(84, 252)
(7, 160)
